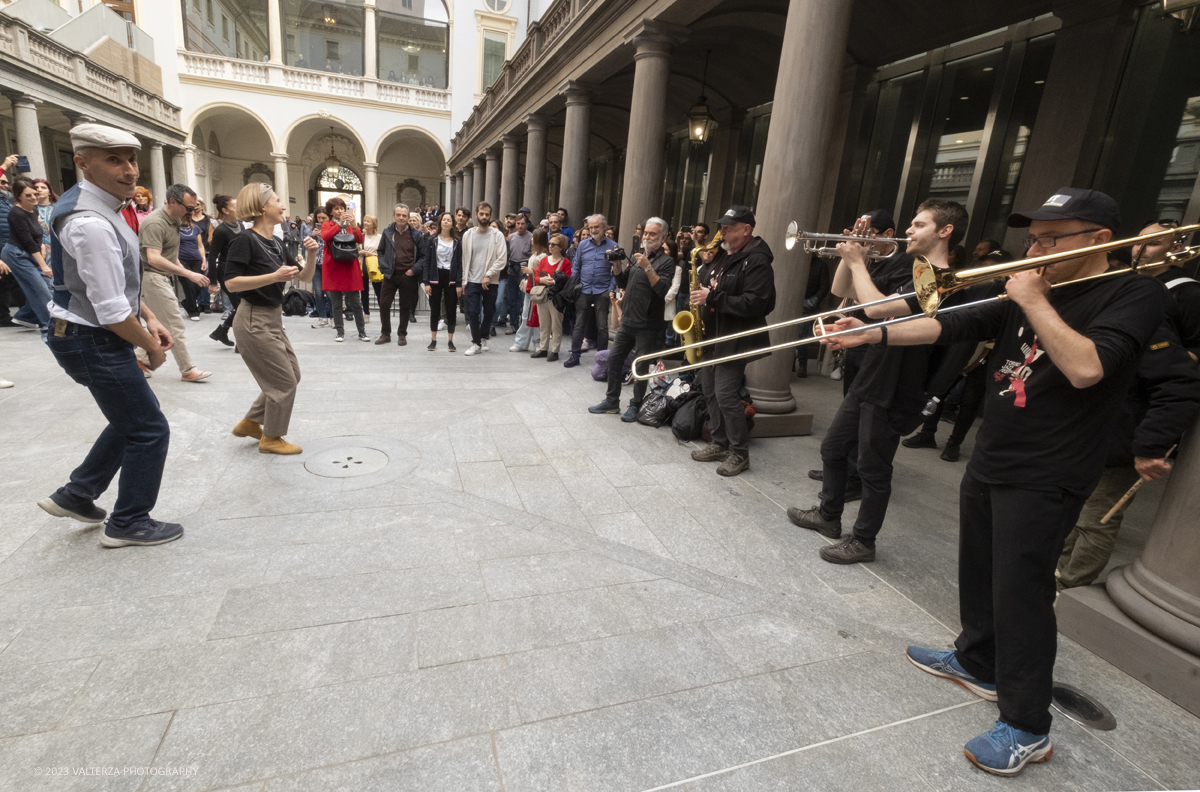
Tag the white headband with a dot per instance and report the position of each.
(264, 192)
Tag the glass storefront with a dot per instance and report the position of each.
(752, 150)
(899, 103)
(326, 36)
(686, 185)
(413, 50)
(1152, 150)
(231, 28)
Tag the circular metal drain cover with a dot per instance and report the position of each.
(346, 462)
(1082, 708)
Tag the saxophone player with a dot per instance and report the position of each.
(737, 291)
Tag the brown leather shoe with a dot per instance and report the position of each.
(848, 551)
(247, 428)
(277, 445)
(402, 341)
(383, 339)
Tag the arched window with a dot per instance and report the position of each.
(345, 180)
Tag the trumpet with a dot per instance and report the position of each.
(932, 285)
(825, 245)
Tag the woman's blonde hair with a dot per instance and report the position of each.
(371, 220)
(250, 203)
(562, 242)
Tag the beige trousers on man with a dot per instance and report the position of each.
(158, 292)
(268, 354)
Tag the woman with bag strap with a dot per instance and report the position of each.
(368, 252)
(548, 271)
(341, 276)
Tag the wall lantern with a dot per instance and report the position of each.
(330, 16)
(700, 120)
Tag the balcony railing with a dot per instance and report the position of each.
(255, 73)
(61, 64)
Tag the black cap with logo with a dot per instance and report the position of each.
(1072, 203)
(737, 214)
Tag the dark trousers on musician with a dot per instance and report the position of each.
(722, 387)
(875, 432)
(644, 341)
(1010, 538)
(403, 289)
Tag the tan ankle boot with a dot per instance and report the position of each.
(277, 445)
(247, 428)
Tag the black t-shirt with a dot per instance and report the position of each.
(1038, 429)
(249, 254)
(893, 377)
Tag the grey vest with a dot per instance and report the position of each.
(69, 289)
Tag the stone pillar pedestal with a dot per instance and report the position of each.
(508, 175)
(371, 192)
(468, 189)
(477, 184)
(575, 152)
(448, 200)
(189, 170)
(158, 174)
(1145, 618)
(29, 134)
(535, 167)
(642, 193)
(491, 189)
(806, 93)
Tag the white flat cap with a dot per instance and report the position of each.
(100, 136)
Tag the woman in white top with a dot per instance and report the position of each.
(529, 335)
(370, 264)
(443, 280)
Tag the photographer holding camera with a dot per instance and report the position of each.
(646, 283)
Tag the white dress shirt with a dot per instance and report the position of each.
(93, 244)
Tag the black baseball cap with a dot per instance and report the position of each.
(881, 220)
(1072, 203)
(737, 214)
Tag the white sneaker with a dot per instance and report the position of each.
(194, 318)
(485, 346)
(340, 339)
(837, 374)
(586, 345)
(474, 349)
(23, 323)
(321, 323)
(5, 384)
(441, 324)
(515, 348)
(364, 337)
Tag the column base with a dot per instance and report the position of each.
(793, 424)
(1088, 616)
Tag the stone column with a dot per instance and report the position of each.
(575, 152)
(189, 170)
(491, 190)
(477, 184)
(508, 175)
(449, 200)
(806, 93)
(467, 191)
(29, 133)
(158, 174)
(275, 31)
(178, 168)
(370, 42)
(642, 195)
(535, 166)
(75, 119)
(720, 201)
(371, 190)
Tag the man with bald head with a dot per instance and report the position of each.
(96, 321)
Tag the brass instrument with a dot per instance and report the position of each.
(689, 324)
(825, 245)
(932, 284)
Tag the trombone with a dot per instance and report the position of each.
(932, 285)
(825, 245)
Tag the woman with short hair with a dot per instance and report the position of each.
(342, 280)
(22, 255)
(443, 278)
(550, 317)
(143, 203)
(257, 268)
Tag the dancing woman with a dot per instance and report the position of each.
(256, 267)
(443, 278)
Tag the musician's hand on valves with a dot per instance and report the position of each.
(849, 340)
(1150, 469)
(1027, 289)
(700, 296)
(854, 253)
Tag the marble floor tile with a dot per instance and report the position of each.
(555, 572)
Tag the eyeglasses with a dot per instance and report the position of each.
(555, 244)
(1048, 242)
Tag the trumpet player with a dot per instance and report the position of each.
(737, 291)
(646, 280)
(1062, 364)
(884, 402)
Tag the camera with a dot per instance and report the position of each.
(616, 254)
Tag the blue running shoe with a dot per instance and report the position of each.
(945, 665)
(1004, 751)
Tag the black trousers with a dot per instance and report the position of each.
(403, 289)
(645, 342)
(442, 293)
(1010, 538)
(875, 432)
(591, 314)
(190, 290)
(722, 386)
(972, 400)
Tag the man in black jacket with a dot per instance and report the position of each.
(738, 291)
(646, 281)
(402, 253)
(1184, 307)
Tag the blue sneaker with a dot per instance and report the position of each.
(945, 665)
(142, 533)
(1005, 751)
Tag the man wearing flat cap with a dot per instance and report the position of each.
(96, 321)
(1062, 364)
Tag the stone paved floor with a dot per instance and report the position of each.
(526, 597)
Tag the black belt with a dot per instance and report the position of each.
(62, 328)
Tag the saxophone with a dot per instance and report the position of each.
(689, 324)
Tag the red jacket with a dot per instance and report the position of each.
(131, 218)
(340, 276)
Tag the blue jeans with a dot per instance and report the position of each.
(31, 280)
(481, 306)
(513, 300)
(136, 438)
(323, 309)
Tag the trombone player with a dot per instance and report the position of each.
(737, 292)
(1062, 363)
